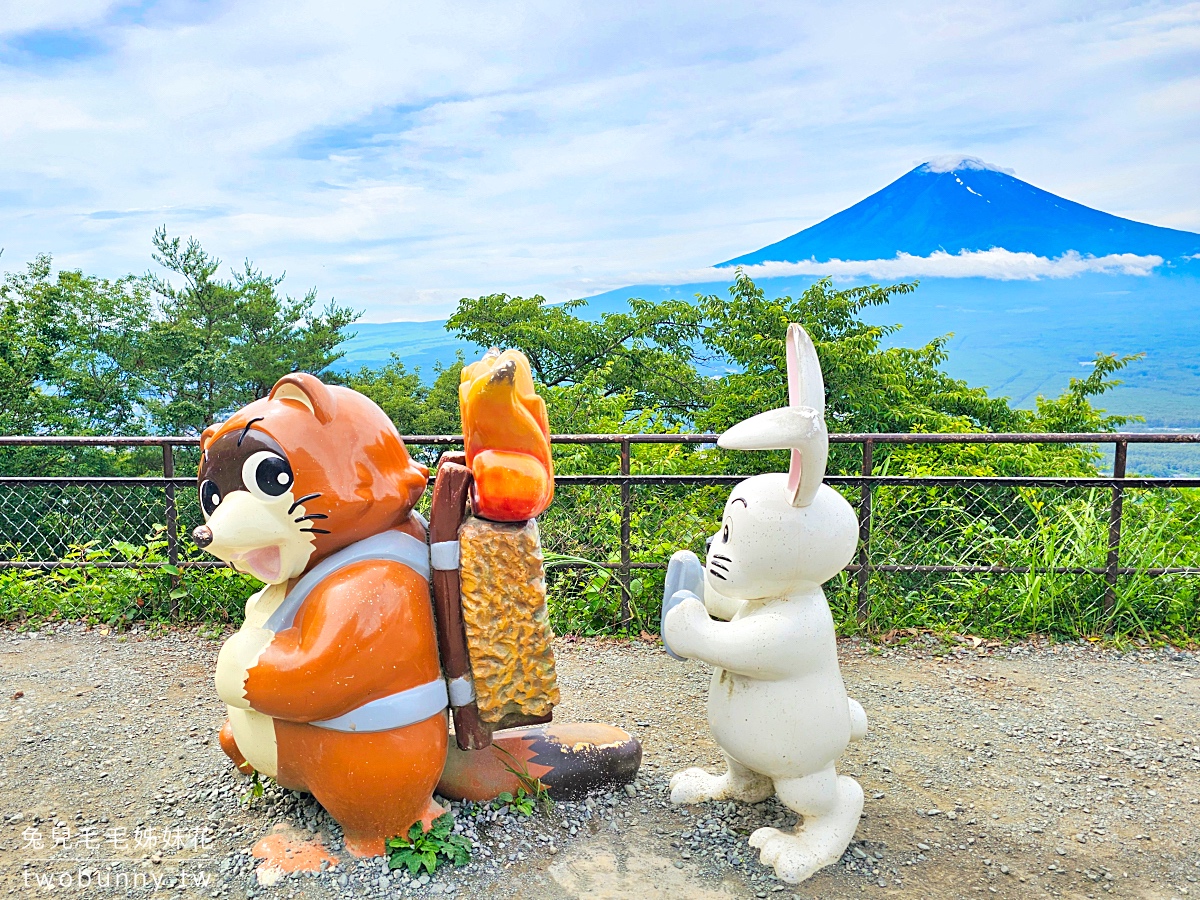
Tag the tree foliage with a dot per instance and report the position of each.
(645, 356)
(415, 406)
(709, 364)
(68, 354)
(176, 349)
(167, 353)
(216, 344)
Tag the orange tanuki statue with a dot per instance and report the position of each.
(339, 680)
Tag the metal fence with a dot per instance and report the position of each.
(956, 540)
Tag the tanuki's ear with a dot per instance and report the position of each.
(309, 391)
(207, 435)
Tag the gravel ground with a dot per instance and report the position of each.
(1016, 771)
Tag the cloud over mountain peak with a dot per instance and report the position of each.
(957, 163)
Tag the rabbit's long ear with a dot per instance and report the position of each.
(799, 426)
(806, 390)
(806, 385)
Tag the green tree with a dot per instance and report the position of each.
(31, 334)
(415, 407)
(868, 387)
(1073, 411)
(218, 344)
(643, 360)
(69, 350)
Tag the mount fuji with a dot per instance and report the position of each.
(964, 204)
(1030, 285)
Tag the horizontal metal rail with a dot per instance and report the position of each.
(1153, 572)
(1115, 437)
(867, 483)
(1099, 481)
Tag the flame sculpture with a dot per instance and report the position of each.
(507, 435)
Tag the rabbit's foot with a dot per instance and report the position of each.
(789, 854)
(739, 783)
(823, 837)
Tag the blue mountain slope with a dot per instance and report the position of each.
(971, 206)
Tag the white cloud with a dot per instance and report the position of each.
(958, 162)
(998, 264)
(399, 156)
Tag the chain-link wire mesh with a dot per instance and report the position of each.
(978, 556)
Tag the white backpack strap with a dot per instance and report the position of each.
(395, 546)
(393, 711)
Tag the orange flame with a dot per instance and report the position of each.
(507, 436)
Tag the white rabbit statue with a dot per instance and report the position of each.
(777, 705)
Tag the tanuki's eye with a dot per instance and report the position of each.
(210, 497)
(725, 534)
(267, 475)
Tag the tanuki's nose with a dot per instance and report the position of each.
(203, 536)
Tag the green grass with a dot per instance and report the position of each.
(1042, 529)
(151, 590)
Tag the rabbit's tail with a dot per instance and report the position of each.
(858, 720)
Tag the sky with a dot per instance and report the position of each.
(398, 156)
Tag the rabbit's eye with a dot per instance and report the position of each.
(725, 534)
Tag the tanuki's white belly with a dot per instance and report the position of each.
(254, 732)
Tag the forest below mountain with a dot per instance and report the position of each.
(170, 353)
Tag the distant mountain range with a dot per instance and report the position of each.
(991, 252)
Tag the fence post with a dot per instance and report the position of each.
(864, 535)
(172, 524)
(623, 572)
(1114, 531)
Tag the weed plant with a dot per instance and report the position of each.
(421, 849)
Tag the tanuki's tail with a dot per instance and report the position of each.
(567, 759)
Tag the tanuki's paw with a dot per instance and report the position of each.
(363, 846)
(229, 745)
(433, 811)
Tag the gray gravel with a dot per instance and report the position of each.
(1024, 771)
